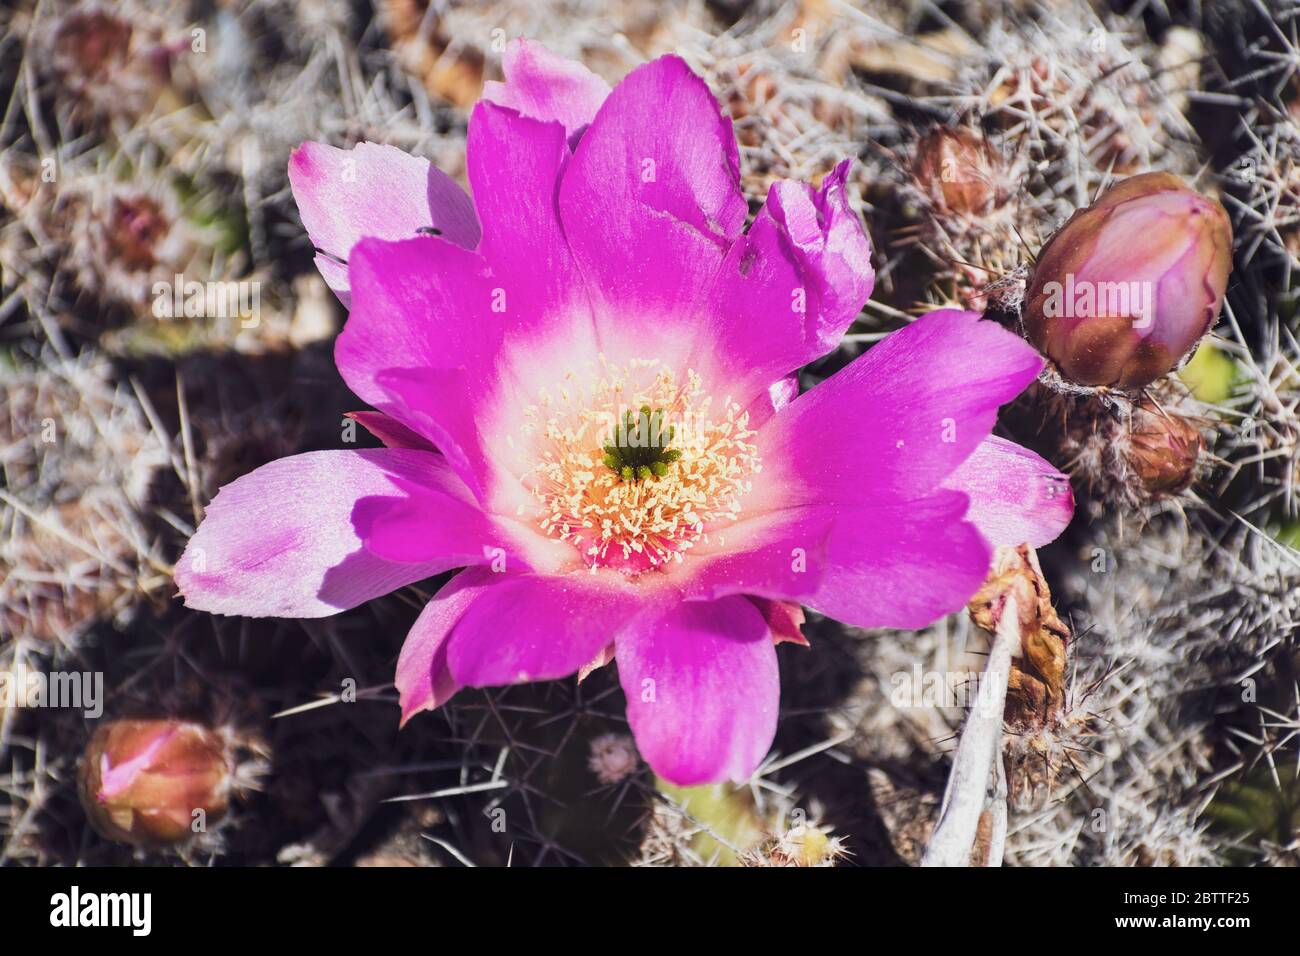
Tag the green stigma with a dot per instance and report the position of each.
(638, 448)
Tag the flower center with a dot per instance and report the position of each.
(633, 467)
(638, 448)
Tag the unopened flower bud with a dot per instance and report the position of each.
(1163, 450)
(108, 62)
(155, 782)
(92, 44)
(1127, 287)
(958, 170)
(613, 758)
(135, 228)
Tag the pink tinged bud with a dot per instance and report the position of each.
(155, 782)
(1127, 287)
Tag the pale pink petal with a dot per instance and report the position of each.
(702, 690)
(1015, 496)
(280, 541)
(544, 86)
(116, 780)
(373, 190)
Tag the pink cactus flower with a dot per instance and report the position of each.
(583, 378)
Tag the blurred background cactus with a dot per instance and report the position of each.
(142, 141)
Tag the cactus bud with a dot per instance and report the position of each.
(1163, 450)
(107, 61)
(135, 229)
(613, 758)
(89, 46)
(155, 782)
(1127, 287)
(957, 169)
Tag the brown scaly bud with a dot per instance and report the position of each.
(155, 782)
(958, 170)
(1127, 287)
(1163, 450)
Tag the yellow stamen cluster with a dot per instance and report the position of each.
(635, 525)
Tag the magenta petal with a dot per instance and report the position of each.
(390, 431)
(897, 421)
(901, 565)
(543, 86)
(514, 166)
(423, 680)
(651, 198)
(784, 619)
(781, 555)
(702, 690)
(778, 395)
(421, 335)
(831, 249)
(434, 518)
(1015, 496)
(373, 190)
(279, 542)
(795, 281)
(439, 403)
(430, 339)
(526, 627)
